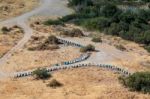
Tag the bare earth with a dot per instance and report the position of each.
(12, 8)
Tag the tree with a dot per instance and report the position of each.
(127, 16)
(80, 2)
(114, 29)
(139, 81)
(147, 37)
(109, 10)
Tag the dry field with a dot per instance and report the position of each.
(81, 83)
(133, 58)
(12, 8)
(9, 39)
(26, 59)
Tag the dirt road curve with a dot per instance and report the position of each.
(46, 8)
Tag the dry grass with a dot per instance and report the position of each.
(8, 40)
(131, 58)
(11, 8)
(25, 59)
(82, 83)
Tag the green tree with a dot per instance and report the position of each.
(109, 10)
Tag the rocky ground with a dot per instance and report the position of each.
(12, 8)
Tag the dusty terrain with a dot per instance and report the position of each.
(133, 58)
(12, 8)
(9, 39)
(81, 83)
(26, 59)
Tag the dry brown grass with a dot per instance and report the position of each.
(82, 83)
(25, 59)
(11, 8)
(8, 40)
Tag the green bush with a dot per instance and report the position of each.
(88, 48)
(147, 48)
(139, 81)
(96, 39)
(54, 83)
(107, 17)
(41, 73)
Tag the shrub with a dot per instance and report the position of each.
(5, 30)
(52, 40)
(147, 48)
(120, 47)
(96, 39)
(54, 83)
(53, 22)
(73, 33)
(77, 33)
(88, 48)
(139, 81)
(80, 2)
(49, 44)
(109, 10)
(41, 73)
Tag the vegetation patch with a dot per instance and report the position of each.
(147, 48)
(97, 39)
(73, 33)
(51, 43)
(139, 81)
(5, 30)
(120, 47)
(53, 22)
(41, 73)
(54, 84)
(111, 17)
(88, 48)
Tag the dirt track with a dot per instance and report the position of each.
(48, 7)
